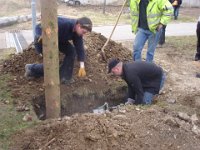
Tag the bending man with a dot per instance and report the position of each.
(68, 29)
(144, 79)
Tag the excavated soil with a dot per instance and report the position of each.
(171, 123)
(82, 96)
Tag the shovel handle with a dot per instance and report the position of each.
(102, 50)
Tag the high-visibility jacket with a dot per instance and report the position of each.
(158, 11)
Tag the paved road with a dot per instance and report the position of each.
(122, 32)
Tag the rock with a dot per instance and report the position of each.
(197, 102)
(171, 122)
(120, 117)
(137, 108)
(194, 118)
(59, 119)
(171, 101)
(196, 130)
(66, 118)
(22, 108)
(6, 101)
(27, 117)
(184, 116)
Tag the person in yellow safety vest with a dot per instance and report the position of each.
(148, 18)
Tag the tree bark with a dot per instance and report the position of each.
(51, 57)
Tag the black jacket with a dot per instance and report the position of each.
(198, 36)
(179, 2)
(142, 76)
(65, 34)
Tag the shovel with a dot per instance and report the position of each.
(104, 108)
(102, 50)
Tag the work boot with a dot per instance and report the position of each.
(130, 101)
(28, 73)
(67, 82)
(198, 75)
(159, 46)
(197, 57)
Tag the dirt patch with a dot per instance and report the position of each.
(190, 12)
(82, 96)
(127, 128)
(173, 123)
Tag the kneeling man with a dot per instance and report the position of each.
(144, 79)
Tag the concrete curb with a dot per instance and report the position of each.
(7, 21)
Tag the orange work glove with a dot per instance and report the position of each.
(82, 72)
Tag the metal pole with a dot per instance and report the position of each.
(33, 8)
(104, 6)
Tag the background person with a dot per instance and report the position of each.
(197, 55)
(68, 29)
(148, 18)
(144, 79)
(176, 4)
(162, 37)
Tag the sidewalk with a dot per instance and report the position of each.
(121, 33)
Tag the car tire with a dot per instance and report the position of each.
(70, 2)
(77, 3)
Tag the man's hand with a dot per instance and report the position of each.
(81, 72)
(159, 27)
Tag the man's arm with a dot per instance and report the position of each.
(137, 88)
(78, 43)
(166, 10)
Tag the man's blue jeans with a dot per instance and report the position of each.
(148, 97)
(176, 12)
(141, 37)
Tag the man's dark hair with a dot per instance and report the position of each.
(85, 23)
(112, 63)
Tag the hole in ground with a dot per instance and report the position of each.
(81, 103)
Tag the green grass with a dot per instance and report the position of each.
(11, 7)
(107, 19)
(10, 120)
(185, 44)
(5, 94)
(184, 19)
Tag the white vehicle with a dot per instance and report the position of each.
(73, 2)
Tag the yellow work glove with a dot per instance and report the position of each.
(81, 72)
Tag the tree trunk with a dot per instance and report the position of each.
(51, 57)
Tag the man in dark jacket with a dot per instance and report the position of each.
(68, 29)
(176, 5)
(144, 79)
(197, 55)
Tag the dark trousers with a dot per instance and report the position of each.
(176, 12)
(198, 37)
(66, 69)
(162, 36)
(197, 56)
(148, 96)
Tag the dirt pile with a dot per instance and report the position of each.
(93, 44)
(86, 93)
(126, 128)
